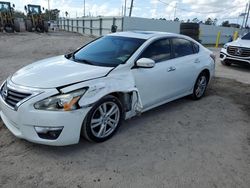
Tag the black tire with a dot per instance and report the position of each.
(189, 26)
(86, 131)
(28, 24)
(17, 25)
(1, 28)
(195, 95)
(40, 28)
(9, 28)
(46, 26)
(226, 63)
(190, 32)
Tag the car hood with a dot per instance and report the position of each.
(240, 43)
(57, 71)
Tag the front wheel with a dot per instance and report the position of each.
(103, 120)
(200, 86)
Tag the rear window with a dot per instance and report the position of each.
(182, 47)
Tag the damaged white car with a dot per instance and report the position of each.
(89, 92)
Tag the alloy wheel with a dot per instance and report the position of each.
(105, 119)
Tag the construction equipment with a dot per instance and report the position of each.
(35, 19)
(8, 22)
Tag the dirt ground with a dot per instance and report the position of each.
(185, 143)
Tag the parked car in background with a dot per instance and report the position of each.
(88, 92)
(236, 52)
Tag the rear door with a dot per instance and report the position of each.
(185, 64)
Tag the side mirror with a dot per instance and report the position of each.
(145, 63)
(25, 8)
(13, 5)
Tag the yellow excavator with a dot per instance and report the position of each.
(35, 19)
(8, 23)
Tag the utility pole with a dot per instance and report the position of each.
(131, 7)
(244, 16)
(125, 7)
(175, 10)
(48, 5)
(49, 9)
(84, 8)
(247, 14)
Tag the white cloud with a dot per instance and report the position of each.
(186, 9)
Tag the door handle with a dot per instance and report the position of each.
(197, 61)
(171, 69)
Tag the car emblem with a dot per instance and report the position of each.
(238, 51)
(5, 93)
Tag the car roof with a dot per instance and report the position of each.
(143, 34)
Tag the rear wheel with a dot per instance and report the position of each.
(28, 24)
(17, 25)
(103, 120)
(1, 27)
(200, 86)
(9, 28)
(40, 28)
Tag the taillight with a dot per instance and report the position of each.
(213, 57)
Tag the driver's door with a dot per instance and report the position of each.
(155, 84)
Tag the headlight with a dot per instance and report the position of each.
(61, 102)
(225, 46)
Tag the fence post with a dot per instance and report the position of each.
(100, 29)
(72, 22)
(236, 33)
(68, 24)
(77, 29)
(217, 40)
(91, 27)
(83, 26)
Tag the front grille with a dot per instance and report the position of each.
(12, 97)
(238, 51)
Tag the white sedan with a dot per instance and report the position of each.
(89, 92)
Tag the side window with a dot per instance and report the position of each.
(158, 51)
(196, 48)
(182, 47)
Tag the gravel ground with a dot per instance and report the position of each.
(185, 143)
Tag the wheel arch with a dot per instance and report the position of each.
(125, 99)
(207, 73)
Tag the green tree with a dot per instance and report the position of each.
(209, 21)
(51, 14)
(225, 24)
(176, 19)
(196, 20)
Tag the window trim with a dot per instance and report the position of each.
(193, 44)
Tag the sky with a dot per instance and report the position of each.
(185, 9)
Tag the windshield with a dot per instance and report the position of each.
(4, 7)
(246, 37)
(33, 9)
(108, 51)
